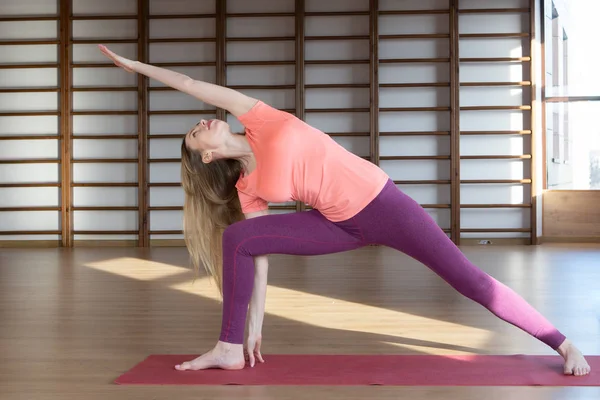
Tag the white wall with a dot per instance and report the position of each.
(188, 111)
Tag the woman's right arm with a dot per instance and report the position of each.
(231, 100)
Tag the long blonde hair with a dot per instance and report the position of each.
(211, 205)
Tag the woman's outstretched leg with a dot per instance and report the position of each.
(305, 233)
(397, 221)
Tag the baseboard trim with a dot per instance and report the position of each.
(570, 239)
(19, 244)
(167, 243)
(105, 243)
(495, 242)
(181, 242)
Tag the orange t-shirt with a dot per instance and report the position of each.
(296, 162)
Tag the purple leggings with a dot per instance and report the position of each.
(392, 219)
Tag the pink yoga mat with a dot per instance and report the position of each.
(394, 370)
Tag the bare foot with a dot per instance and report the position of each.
(575, 363)
(223, 356)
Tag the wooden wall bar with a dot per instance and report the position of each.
(174, 36)
(514, 27)
(300, 100)
(66, 122)
(454, 123)
(142, 134)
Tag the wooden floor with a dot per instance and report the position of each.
(71, 321)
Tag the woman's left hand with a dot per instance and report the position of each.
(122, 62)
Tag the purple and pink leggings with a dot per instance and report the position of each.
(392, 219)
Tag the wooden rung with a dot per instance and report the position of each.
(496, 230)
(492, 10)
(424, 133)
(104, 160)
(30, 161)
(411, 158)
(39, 208)
(348, 134)
(413, 109)
(442, 206)
(181, 112)
(493, 35)
(495, 59)
(104, 112)
(75, 232)
(413, 60)
(335, 62)
(102, 41)
(29, 66)
(494, 108)
(416, 36)
(18, 233)
(164, 160)
(412, 12)
(30, 90)
(105, 208)
(30, 185)
(164, 184)
(27, 18)
(93, 17)
(484, 84)
(334, 110)
(30, 137)
(334, 13)
(166, 232)
(28, 42)
(523, 132)
(182, 40)
(104, 184)
(337, 37)
(104, 137)
(414, 85)
(260, 63)
(260, 39)
(260, 15)
(422, 182)
(180, 16)
(497, 157)
(28, 113)
(495, 206)
(494, 181)
(337, 86)
(104, 89)
(167, 136)
(166, 208)
(93, 65)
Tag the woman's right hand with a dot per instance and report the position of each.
(122, 62)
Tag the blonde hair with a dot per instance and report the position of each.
(211, 205)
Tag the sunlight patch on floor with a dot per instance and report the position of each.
(312, 309)
(135, 268)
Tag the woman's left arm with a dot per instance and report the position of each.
(219, 96)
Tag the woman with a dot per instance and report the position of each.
(229, 179)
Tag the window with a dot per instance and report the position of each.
(572, 94)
